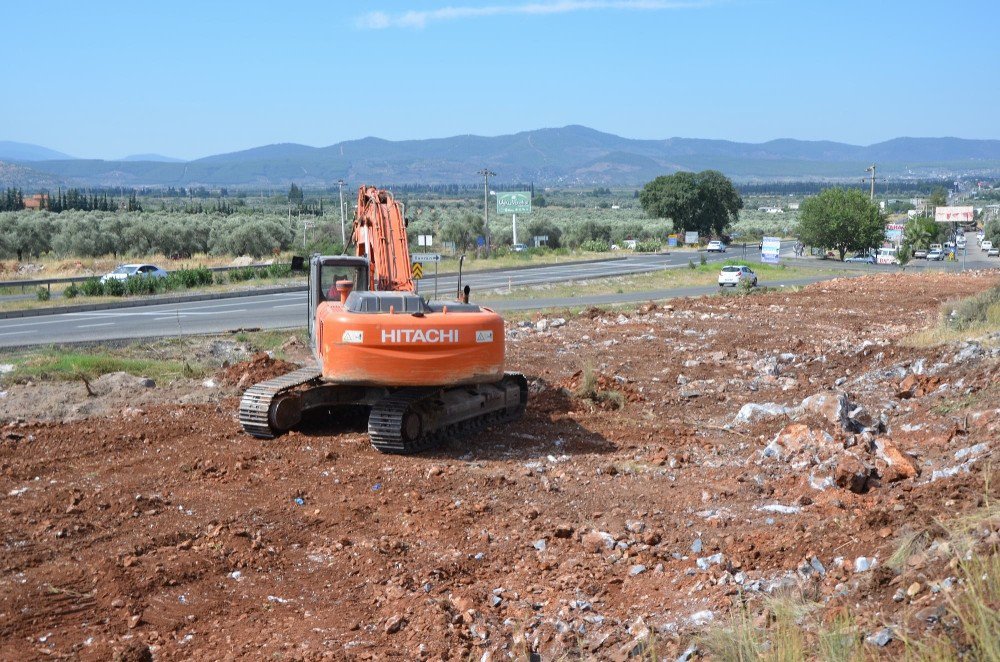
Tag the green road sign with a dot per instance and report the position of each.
(516, 202)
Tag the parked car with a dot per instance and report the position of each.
(993, 252)
(986, 245)
(716, 247)
(734, 275)
(936, 255)
(867, 259)
(920, 253)
(123, 271)
(519, 248)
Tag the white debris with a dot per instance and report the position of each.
(701, 618)
(209, 383)
(779, 508)
(880, 638)
(6, 367)
(971, 451)
(752, 412)
(18, 492)
(864, 564)
(280, 601)
(706, 562)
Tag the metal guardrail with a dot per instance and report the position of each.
(49, 282)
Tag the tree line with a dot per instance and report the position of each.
(76, 233)
(79, 200)
(12, 200)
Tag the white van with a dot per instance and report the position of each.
(887, 255)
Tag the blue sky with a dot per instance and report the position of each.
(189, 79)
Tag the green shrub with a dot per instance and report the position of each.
(72, 291)
(92, 287)
(691, 264)
(188, 278)
(143, 285)
(277, 271)
(595, 246)
(242, 274)
(43, 294)
(113, 288)
(703, 258)
(651, 246)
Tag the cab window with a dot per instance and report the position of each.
(330, 274)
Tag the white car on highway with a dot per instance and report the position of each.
(123, 271)
(737, 274)
(716, 247)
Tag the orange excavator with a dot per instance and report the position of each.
(426, 369)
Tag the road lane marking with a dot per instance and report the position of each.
(290, 305)
(90, 326)
(59, 321)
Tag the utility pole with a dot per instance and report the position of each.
(485, 172)
(343, 235)
(871, 169)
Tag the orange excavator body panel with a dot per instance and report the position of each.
(398, 349)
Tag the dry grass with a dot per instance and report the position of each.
(972, 318)
(792, 628)
(789, 630)
(589, 389)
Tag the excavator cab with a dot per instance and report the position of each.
(325, 272)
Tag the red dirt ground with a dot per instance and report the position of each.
(174, 534)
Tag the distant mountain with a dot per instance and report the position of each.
(12, 151)
(13, 175)
(159, 158)
(568, 156)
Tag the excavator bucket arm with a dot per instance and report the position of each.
(380, 235)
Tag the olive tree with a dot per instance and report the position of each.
(247, 235)
(705, 202)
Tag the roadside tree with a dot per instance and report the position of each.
(841, 219)
(991, 231)
(25, 235)
(921, 232)
(938, 198)
(543, 228)
(705, 202)
(463, 231)
(254, 236)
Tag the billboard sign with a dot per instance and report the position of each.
(954, 214)
(894, 232)
(672, 241)
(691, 238)
(515, 202)
(770, 251)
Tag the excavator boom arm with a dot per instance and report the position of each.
(380, 235)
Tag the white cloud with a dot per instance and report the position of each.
(378, 20)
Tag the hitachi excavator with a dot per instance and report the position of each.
(426, 369)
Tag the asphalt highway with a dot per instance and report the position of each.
(276, 311)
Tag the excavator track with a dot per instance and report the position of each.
(412, 420)
(255, 406)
